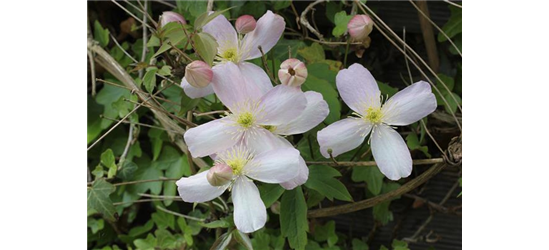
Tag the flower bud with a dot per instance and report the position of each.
(245, 24)
(292, 72)
(360, 26)
(170, 16)
(219, 175)
(199, 74)
(275, 208)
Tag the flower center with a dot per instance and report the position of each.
(230, 55)
(373, 115)
(237, 158)
(245, 119)
(269, 127)
(291, 71)
(236, 164)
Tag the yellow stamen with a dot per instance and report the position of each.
(269, 127)
(245, 119)
(373, 115)
(230, 55)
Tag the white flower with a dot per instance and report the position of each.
(360, 92)
(257, 120)
(269, 166)
(232, 48)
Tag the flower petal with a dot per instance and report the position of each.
(358, 88)
(316, 111)
(253, 74)
(249, 210)
(211, 137)
(300, 179)
(282, 104)
(193, 92)
(343, 136)
(410, 104)
(268, 30)
(231, 87)
(223, 32)
(262, 140)
(196, 188)
(274, 166)
(391, 153)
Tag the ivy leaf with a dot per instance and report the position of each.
(270, 193)
(163, 220)
(100, 34)
(107, 159)
(127, 170)
(149, 80)
(453, 26)
(98, 198)
(313, 53)
(146, 244)
(359, 245)
(205, 46)
(341, 20)
(139, 230)
(371, 175)
(321, 179)
(293, 218)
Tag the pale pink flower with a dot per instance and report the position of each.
(269, 166)
(360, 92)
(257, 120)
(292, 72)
(360, 26)
(198, 74)
(237, 50)
(170, 16)
(245, 24)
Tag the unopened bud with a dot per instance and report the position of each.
(275, 208)
(199, 74)
(220, 174)
(170, 16)
(245, 24)
(292, 72)
(360, 26)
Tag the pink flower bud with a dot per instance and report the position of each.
(360, 26)
(245, 24)
(170, 16)
(220, 174)
(292, 72)
(199, 74)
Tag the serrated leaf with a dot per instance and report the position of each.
(293, 218)
(127, 170)
(205, 46)
(371, 175)
(321, 179)
(149, 80)
(270, 193)
(98, 198)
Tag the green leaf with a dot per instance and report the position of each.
(165, 71)
(127, 170)
(314, 198)
(205, 46)
(400, 245)
(149, 80)
(270, 193)
(341, 20)
(216, 224)
(163, 219)
(313, 53)
(107, 159)
(98, 198)
(139, 230)
(328, 93)
(243, 239)
(222, 242)
(453, 105)
(280, 50)
(205, 18)
(326, 233)
(281, 4)
(386, 89)
(101, 35)
(359, 245)
(293, 218)
(148, 172)
(381, 211)
(321, 179)
(371, 175)
(453, 26)
(95, 225)
(146, 244)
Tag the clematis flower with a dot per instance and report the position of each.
(360, 92)
(245, 24)
(292, 72)
(269, 166)
(237, 49)
(199, 74)
(255, 119)
(170, 16)
(360, 26)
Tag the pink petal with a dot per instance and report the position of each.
(267, 32)
(196, 188)
(193, 92)
(223, 32)
(281, 105)
(274, 166)
(211, 137)
(391, 153)
(231, 86)
(254, 74)
(316, 111)
(300, 179)
(249, 210)
(343, 136)
(409, 105)
(358, 88)
(262, 140)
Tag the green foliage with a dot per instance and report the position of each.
(453, 26)
(341, 19)
(371, 175)
(326, 233)
(100, 34)
(381, 211)
(149, 80)
(206, 46)
(293, 218)
(98, 199)
(270, 193)
(413, 143)
(321, 179)
(449, 82)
